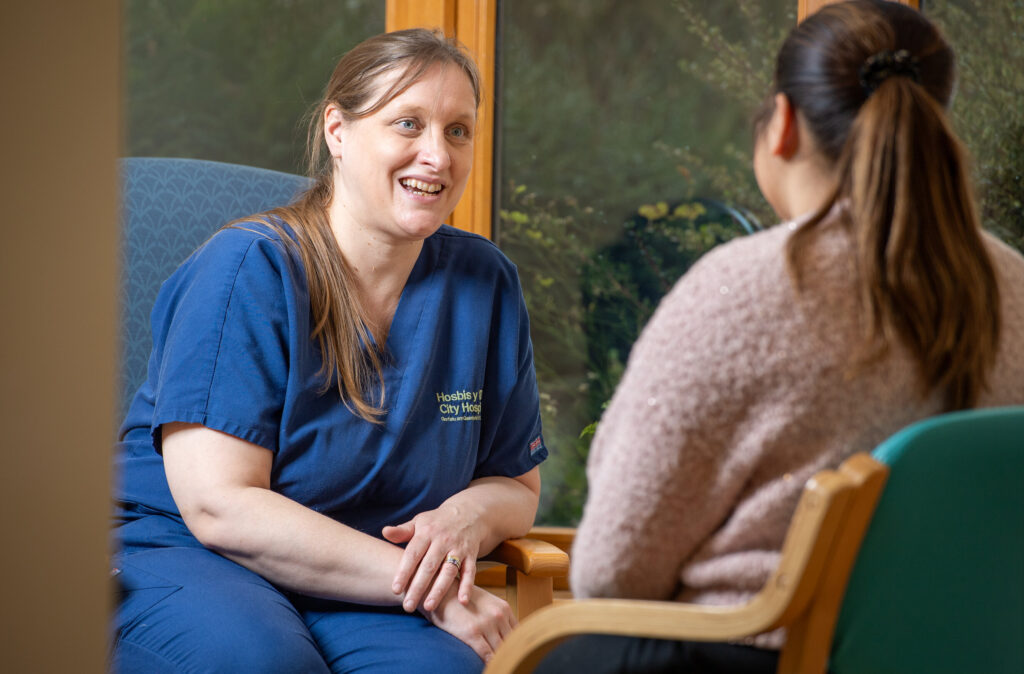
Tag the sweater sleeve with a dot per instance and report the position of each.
(663, 471)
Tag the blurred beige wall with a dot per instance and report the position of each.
(59, 143)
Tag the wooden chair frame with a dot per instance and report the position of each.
(530, 567)
(803, 595)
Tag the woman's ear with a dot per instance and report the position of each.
(334, 125)
(783, 133)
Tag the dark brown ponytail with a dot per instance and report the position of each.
(924, 276)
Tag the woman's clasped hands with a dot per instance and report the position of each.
(482, 623)
(441, 547)
(437, 572)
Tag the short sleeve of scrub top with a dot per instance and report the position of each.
(233, 351)
(224, 327)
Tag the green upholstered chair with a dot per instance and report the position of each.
(938, 585)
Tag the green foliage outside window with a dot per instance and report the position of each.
(588, 302)
(620, 158)
(231, 80)
(988, 110)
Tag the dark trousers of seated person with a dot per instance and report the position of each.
(606, 654)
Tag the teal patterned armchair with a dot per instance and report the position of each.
(171, 206)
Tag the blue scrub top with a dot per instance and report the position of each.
(232, 351)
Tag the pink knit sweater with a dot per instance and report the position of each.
(735, 394)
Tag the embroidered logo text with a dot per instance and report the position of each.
(460, 405)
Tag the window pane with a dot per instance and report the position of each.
(230, 80)
(624, 155)
(988, 109)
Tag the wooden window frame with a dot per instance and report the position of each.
(805, 7)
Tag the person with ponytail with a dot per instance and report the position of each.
(878, 302)
(341, 412)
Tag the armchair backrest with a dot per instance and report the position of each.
(938, 585)
(170, 207)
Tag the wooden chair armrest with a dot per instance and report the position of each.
(560, 537)
(783, 600)
(528, 643)
(531, 557)
(531, 566)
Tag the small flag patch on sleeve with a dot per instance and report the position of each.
(536, 444)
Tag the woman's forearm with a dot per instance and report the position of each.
(299, 549)
(503, 507)
(304, 551)
(221, 485)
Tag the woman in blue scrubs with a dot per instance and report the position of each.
(341, 412)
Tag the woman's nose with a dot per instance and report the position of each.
(433, 149)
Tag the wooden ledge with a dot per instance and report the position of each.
(532, 557)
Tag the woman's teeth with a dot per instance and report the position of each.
(420, 187)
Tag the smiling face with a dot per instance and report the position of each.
(399, 172)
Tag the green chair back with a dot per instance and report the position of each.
(938, 585)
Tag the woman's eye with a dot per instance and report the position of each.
(459, 132)
(407, 125)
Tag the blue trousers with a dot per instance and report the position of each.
(187, 609)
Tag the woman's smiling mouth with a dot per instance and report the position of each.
(420, 188)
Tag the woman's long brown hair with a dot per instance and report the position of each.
(924, 276)
(351, 359)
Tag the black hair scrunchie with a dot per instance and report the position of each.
(883, 65)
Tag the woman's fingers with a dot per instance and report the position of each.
(497, 628)
(399, 534)
(412, 560)
(452, 569)
(486, 638)
(468, 578)
(482, 647)
(429, 567)
(424, 573)
(482, 624)
(493, 637)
